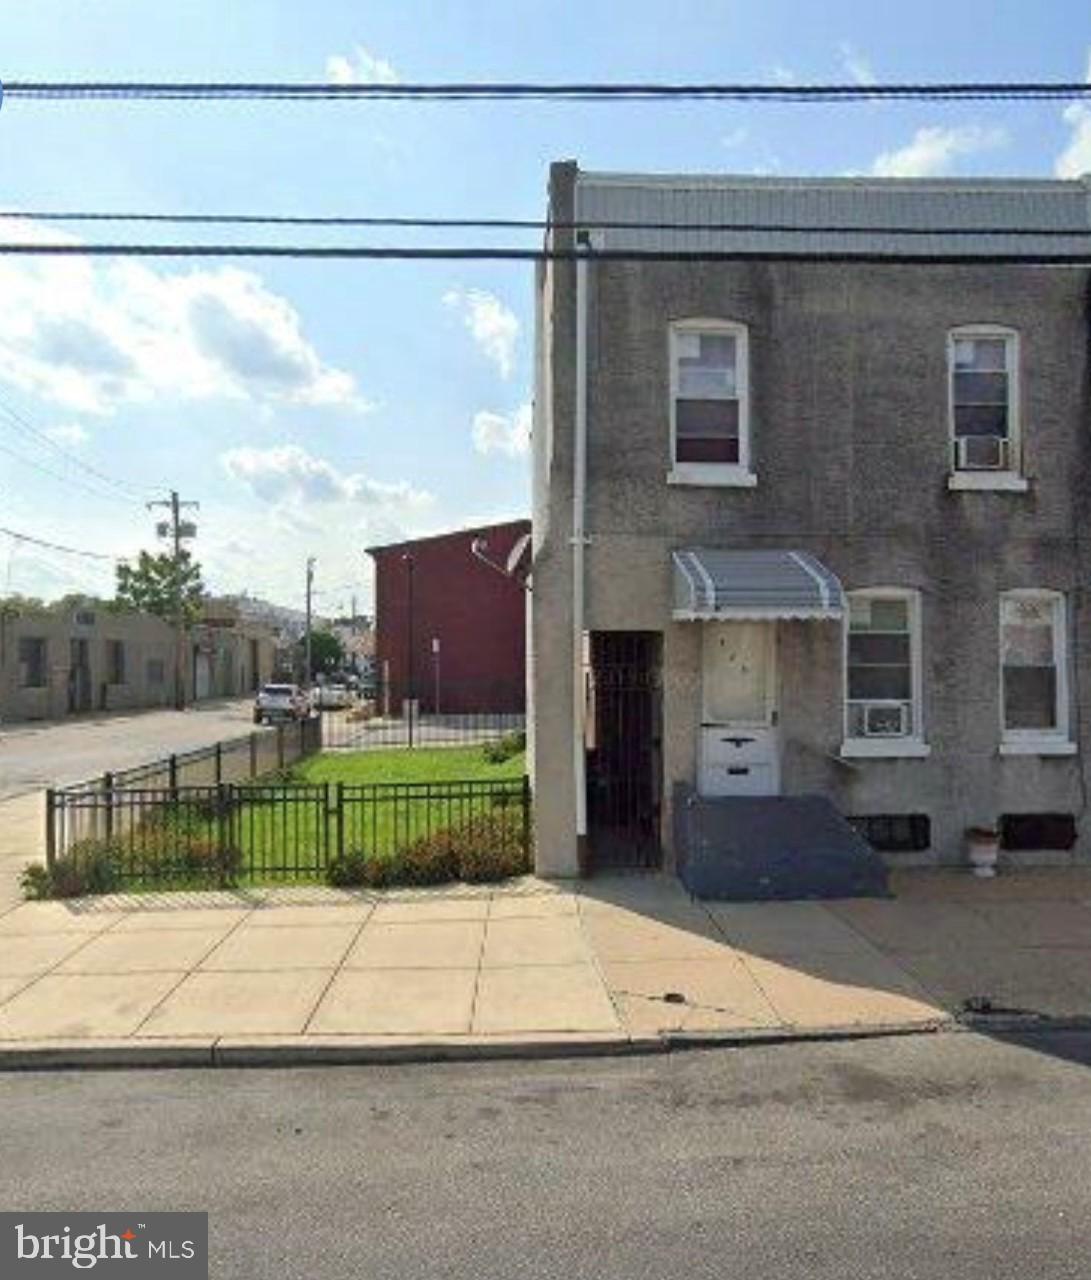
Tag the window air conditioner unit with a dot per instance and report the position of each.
(886, 720)
(981, 453)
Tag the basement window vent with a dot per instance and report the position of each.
(895, 832)
(1037, 830)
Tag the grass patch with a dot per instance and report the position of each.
(405, 764)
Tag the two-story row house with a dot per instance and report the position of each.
(809, 527)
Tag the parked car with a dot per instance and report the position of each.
(333, 697)
(281, 702)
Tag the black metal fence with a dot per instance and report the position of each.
(232, 832)
(364, 727)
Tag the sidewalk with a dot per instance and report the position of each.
(603, 966)
(22, 840)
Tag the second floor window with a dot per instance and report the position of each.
(709, 395)
(984, 399)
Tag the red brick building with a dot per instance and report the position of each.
(450, 630)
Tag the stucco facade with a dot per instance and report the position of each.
(851, 451)
(82, 660)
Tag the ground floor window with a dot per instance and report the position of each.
(32, 662)
(882, 666)
(1033, 667)
(115, 662)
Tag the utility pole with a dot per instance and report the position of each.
(178, 531)
(307, 674)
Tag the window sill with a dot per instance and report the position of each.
(988, 482)
(713, 475)
(885, 749)
(1039, 747)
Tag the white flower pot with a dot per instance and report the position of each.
(983, 855)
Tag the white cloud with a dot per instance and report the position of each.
(360, 67)
(70, 433)
(1075, 159)
(856, 64)
(493, 326)
(780, 74)
(94, 335)
(933, 151)
(287, 475)
(503, 432)
(735, 137)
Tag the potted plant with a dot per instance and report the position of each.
(983, 849)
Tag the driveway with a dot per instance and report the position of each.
(34, 755)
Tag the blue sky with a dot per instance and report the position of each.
(316, 408)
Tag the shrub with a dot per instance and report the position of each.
(347, 870)
(505, 748)
(90, 866)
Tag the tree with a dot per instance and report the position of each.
(156, 582)
(327, 653)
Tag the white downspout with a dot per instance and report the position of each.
(579, 542)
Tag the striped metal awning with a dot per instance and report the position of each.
(710, 584)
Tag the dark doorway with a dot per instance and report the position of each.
(624, 739)
(79, 676)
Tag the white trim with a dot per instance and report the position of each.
(914, 742)
(723, 475)
(706, 581)
(988, 481)
(885, 749)
(1056, 741)
(741, 334)
(758, 613)
(1042, 746)
(823, 585)
(1012, 360)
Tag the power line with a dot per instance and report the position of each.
(31, 432)
(529, 224)
(63, 479)
(520, 91)
(56, 546)
(495, 253)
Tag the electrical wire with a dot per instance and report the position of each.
(528, 224)
(495, 253)
(63, 479)
(56, 546)
(53, 90)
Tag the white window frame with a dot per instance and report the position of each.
(1039, 742)
(913, 745)
(1011, 478)
(727, 474)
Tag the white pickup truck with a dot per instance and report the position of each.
(281, 702)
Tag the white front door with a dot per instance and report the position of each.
(738, 750)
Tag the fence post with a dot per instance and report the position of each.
(280, 746)
(253, 755)
(340, 819)
(50, 827)
(526, 813)
(325, 824)
(219, 763)
(108, 788)
(172, 775)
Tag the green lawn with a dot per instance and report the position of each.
(280, 839)
(417, 764)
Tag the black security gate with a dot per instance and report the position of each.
(624, 740)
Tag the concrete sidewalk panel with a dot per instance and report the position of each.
(222, 918)
(433, 944)
(76, 1005)
(57, 917)
(639, 938)
(556, 940)
(542, 998)
(1055, 982)
(264, 950)
(900, 925)
(784, 928)
(427, 910)
(533, 906)
(35, 953)
(274, 916)
(397, 1002)
(159, 951)
(1039, 924)
(717, 995)
(841, 990)
(232, 1004)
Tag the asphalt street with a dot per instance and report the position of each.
(33, 756)
(930, 1157)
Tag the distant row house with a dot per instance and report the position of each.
(84, 659)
